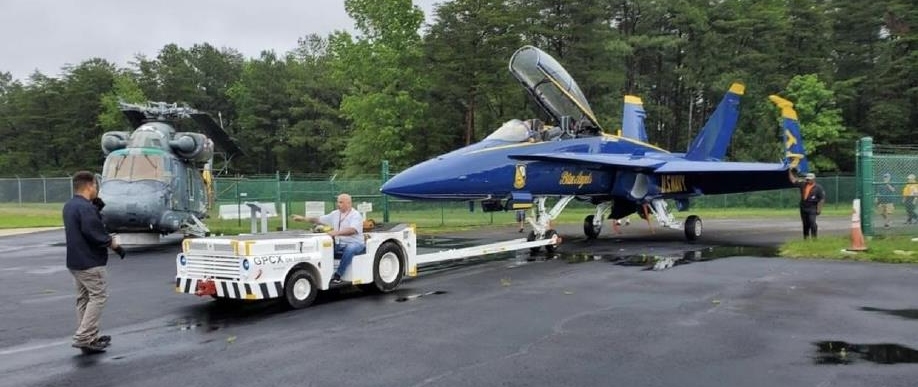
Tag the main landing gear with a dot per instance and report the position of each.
(693, 228)
(592, 224)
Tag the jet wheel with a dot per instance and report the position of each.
(550, 249)
(693, 228)
(589, 229)
(529, 238)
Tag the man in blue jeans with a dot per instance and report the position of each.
(347, 230)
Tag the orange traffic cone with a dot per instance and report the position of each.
(857, 237)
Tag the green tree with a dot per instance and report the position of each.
(125, 89)
(382, 103)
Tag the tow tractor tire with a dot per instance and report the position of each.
(591, 231)
(529, 238)
(550, 249)
(693, 228)
(300, 289)
(388, 267)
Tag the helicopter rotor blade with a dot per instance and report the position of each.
(215, 132)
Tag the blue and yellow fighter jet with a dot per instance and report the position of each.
(523, 163)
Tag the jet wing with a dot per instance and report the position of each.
(600, 160)
(718, 166)
(722, 177)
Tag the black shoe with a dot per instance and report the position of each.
(336, 280)
(104, 339)
(91, 348)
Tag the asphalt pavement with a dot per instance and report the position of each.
(595, 313)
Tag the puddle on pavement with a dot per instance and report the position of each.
(416, 296)
(663, 261)
(185, 324)
(911, 314)
(840, 352)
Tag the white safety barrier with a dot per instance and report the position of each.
(233, 211)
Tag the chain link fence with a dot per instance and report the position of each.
(294, 190)
(888, 188)
(35, 190)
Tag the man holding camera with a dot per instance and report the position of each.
(87, 256)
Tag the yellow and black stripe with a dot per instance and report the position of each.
(234, 289)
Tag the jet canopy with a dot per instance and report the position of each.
(551, 86)
(511, 131)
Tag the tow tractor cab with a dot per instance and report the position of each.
(293, 265)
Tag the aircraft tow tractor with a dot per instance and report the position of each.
(296, 265)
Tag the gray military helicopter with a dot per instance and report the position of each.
(156, 181)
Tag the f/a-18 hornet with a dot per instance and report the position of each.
(523, 163)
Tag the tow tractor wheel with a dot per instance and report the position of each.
(550, 249)
(300, 289)
(388, 267)
(591, 231)
(693, 228)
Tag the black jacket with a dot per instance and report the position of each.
(810, 204)
(87, 239)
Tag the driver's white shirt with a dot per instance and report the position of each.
(339, 221)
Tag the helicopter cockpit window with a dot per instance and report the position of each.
(511, 131)
(134, 167)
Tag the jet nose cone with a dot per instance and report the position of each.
(403, 185)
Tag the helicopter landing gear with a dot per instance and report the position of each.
(195, 227)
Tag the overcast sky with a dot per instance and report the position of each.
(47, 34)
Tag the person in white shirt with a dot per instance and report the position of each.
(347, 230)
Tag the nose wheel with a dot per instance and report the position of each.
(591, 229)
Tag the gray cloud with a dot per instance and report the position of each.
(45, 35)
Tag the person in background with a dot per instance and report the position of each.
(521, 218)
(87, 255)
(812, 197)
(909, 198)
(885, 194)
(347, 230)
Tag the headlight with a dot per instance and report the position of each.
(245, 264)
(182, 260)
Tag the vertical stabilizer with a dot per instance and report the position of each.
(711, 143)
(794, 152)
(633, 119)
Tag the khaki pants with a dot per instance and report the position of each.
(91, 296)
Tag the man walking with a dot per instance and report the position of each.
(811, 198)
(87, 255)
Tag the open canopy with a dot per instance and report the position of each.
(551, 85)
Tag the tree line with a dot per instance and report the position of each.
(403, 91)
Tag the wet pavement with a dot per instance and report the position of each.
(635, 309)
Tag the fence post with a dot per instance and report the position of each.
(865, 183)
(44, 189)
(19, 187)
(837, 194)
(277, 189)
(384, 177)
